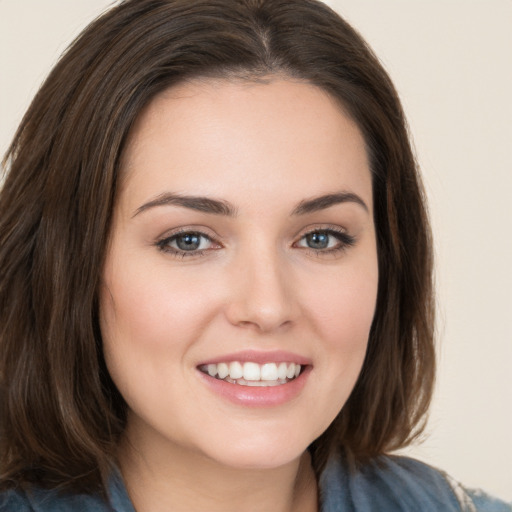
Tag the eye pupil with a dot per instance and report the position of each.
(188, 242)
(317, 240)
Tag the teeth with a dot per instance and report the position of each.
(251, 371)
(223, 370)
(269, 371)
(282, 370)
(259, 383)
(236, 370)
(253, 374)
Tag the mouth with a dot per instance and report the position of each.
(253, 374)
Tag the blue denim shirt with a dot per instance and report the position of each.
(399, 484)
(388, 484)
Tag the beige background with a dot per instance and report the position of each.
(451, 62)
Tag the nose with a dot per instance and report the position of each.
(262, 296)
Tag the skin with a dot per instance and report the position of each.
(264, 148)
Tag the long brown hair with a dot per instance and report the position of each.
(60, 414)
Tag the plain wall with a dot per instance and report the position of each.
(451, 63)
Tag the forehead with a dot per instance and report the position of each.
(219, 137)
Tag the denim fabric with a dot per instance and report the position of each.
(398, 484)
(388, 484)
(38, 500)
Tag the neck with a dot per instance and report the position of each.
(185, 481)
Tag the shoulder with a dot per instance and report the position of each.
(398, 484)
(42, 500)
(36, 499)
(11, 501)
(485, 503)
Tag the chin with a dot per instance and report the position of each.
(258, 451)
(257, 460)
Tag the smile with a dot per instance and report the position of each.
(253, 374)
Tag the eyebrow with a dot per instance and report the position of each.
(322, 202)
(221, 207)
(199, 203)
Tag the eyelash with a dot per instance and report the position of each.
(164, 246)
(345, 241)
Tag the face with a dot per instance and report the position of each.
(241, 276)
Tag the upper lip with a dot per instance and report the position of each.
(260, 357)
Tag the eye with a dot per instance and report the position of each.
(186, 243)
(326, 240)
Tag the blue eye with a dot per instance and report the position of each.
(326, 240)
(318, 240)
(186, 243)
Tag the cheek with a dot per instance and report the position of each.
(151, 306)
(149, 317)
(344, 326)
(344, 308)
(342, 313)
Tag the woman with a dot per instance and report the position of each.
(216, 285)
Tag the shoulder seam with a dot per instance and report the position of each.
(463, 498)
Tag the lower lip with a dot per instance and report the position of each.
(255, 396)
